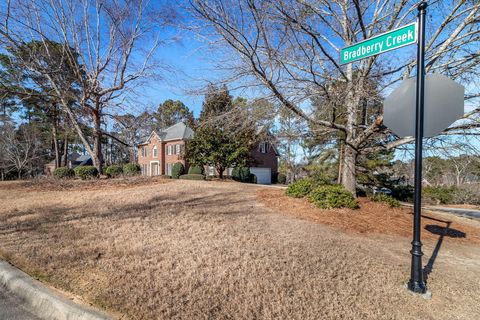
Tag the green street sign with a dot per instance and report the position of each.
(384, 42)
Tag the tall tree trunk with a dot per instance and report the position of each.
(220, 172)
(97, 141)
(65, 150)
(55, 146)
(349, 174)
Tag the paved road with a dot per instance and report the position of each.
(11, 308)
(470, 213)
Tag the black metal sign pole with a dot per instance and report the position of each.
(416, 283)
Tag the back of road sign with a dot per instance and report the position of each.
(444, 104)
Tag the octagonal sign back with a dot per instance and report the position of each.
(444, 104)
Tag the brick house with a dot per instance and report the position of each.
(163, 149)
(158, 154)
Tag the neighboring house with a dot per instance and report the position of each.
(163, 149)
(73, 160)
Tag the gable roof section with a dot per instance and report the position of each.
(263, 133)
(179, 131)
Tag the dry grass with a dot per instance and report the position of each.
(206, 250)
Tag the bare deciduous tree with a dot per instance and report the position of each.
(107, 45)
(290, 49)
(20, 148)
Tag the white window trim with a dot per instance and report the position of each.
(263, 147)
(177, 149)
(155, 152)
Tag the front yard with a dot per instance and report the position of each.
(168, 249)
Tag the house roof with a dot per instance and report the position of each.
(179, 131)
(71, 157)
(76, 159)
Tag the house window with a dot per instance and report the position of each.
(144, 152)
(169, 150)
(263, 147)
(177, 149)
(155, 153)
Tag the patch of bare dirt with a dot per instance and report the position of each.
(374, 217)
(206, 250)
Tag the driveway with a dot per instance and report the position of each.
(12, 308)
(469, 213)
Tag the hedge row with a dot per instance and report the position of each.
(86, 172)
(63, 173)
(192, 176)
(114, 171)
(90, 172)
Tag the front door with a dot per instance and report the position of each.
(154, 169)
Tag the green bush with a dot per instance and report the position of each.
(301, 188)
(192, 176)
(114, 171)
(321, 178)
(195, 170)
(241, 174)
(403, 193)
(440, 195)
(177, 170)
(381, 197)
(131, 169)
(332, 196)
(281, 178)
(253, 178)
(63, 173)
(86, 172)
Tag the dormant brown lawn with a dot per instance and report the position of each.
(208, 250)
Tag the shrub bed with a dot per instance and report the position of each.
(131, 169)
(192, 176)
(241, 174)
(381, 197)
(86, 172)
(177, 170)
(195, 170)
(114, 171)
(300, 188)
(281, 178)
(63, 173)
(440, 195)
(332, 196)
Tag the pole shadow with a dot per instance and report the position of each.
(443, 232)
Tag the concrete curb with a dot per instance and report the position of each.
(42, 301)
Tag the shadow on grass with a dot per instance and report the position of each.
(442, 231)
(48, 216)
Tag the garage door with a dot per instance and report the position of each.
(264, 175)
